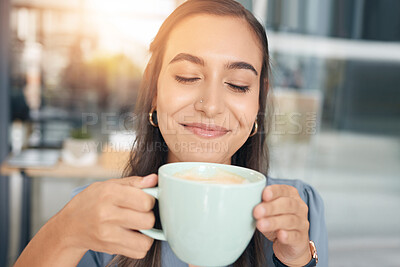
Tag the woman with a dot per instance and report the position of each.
(203, 98)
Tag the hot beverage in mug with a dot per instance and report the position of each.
(206, 210)
(219, 176)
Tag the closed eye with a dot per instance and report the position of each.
(238, 87)
(186, 80)
(235, 87)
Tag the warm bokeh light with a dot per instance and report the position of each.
(126, 25)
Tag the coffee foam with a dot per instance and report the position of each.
(218, 176)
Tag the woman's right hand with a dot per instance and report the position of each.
(104, 217)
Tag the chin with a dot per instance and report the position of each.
(204, 157)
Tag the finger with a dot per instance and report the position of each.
(271, 236)
(139, 182)
(290, 237)
(134, 220)
(131, 244)
(279, 190)
(134, 198)
(137, 242)
(282, 222)
(279, 206)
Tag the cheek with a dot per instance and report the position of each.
(170, 96)
(170, 100)
(173, 98)
(165, 95)
(245, 110)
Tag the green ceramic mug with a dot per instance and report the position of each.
(206, 224)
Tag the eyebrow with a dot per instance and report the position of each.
(188, 57)
(241, 65)
(199, 61)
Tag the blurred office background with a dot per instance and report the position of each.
(70, 70)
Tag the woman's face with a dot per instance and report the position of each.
(208, 88)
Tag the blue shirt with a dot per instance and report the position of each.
(317, 232)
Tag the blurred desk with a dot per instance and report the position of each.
(61, 170)
(46, 163)
(56, 169)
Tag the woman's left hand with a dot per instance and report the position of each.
(282, 218)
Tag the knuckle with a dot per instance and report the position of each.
(135, 181)
(147, 221)
(132, 183)
(299, 206)
(141, 254)
(305, 208)
(148, 203)
(302, 208)
(306, 225)
(150, 221)
(290, 237)
(146, 243)
(106, 193)
(103, 214)
(102, 234)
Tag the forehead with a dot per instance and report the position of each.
(211, 36)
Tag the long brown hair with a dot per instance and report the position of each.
(150, 150)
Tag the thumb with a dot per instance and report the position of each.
(140, 182)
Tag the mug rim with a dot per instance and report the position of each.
(263, 178)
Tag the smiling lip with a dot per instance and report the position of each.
(205, 130)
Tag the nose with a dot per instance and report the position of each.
(211, 100)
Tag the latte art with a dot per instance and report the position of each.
(219, 176)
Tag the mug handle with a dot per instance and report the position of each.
(153, 233)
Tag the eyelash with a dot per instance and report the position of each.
(231, 85)
(185, 80)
